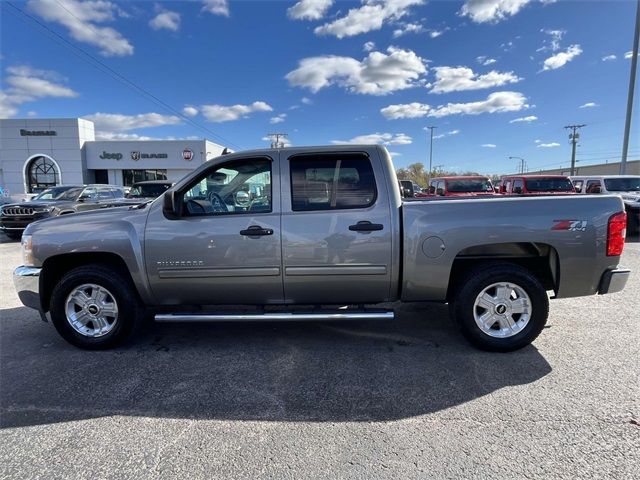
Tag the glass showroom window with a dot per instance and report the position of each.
(129, 177)
(42, 174)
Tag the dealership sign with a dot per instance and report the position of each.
(37, 133)
(136, 155)
(187, 154)
(110, 156)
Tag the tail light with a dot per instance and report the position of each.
(616, 233)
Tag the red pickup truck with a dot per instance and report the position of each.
(459, 186)
(536, 185)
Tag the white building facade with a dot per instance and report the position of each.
(40, 153)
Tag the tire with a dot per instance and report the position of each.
(112, 325)
(514, 298)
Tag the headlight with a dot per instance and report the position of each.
(27, 250)
(44, 210)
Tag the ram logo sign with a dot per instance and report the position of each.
(570, 225)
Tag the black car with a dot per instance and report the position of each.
(55, 201)
(149, 189)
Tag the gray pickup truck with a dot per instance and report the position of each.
(318, 233)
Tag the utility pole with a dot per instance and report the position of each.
(632, 83)
(573, 138)
(275, 139)
(522, 163)
(430, 156)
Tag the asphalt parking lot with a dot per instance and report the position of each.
(404, 399)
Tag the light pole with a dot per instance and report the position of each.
(632, 82)
(430, 156)
(522, 162)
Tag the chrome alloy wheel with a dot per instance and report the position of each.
(502, 310)
(91, 310)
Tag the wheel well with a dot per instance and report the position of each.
(54, 268)
(540, 259)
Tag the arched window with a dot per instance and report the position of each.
(42, 173)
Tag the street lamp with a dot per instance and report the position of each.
(522, 162)
(430, 156)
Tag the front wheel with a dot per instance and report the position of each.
(500, 307)
(95, 307)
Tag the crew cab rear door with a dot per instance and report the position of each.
(336, 227)
(224, 248)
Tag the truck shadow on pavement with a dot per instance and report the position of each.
(331, 372)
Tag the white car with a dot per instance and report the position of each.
(627, 186)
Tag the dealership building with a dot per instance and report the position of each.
(40, 153)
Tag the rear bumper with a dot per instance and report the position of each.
(614, 280)
(27, 283)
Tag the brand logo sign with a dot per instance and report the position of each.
(570, 225)
(187, 154)
(137, 155)
(37, 133)
(110, 156)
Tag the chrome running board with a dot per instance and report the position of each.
(273, 317)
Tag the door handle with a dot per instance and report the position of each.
(366, 226)
(256, 231)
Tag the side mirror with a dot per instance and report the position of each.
(169, 204)
(440, 191)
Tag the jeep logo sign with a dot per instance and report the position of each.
(110, 156)
(187, 154)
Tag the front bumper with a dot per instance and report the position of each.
(27, 283)
(614, 280)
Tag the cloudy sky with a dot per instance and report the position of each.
(498, 78)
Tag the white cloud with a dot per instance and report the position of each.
(561, 59)
(105, 135)
(306, 101)
(25, 84)
(309, 9)
(495, 103)
(190, 111)
(82, 19)
(221, 113)
(282, 140)
(376, 74)
(371, 15)
(378, 138)
(445, 134)
(484, 60)
(608, 58)
(488, 145)
(527, 119)
(435, 33)
(278, 118)
(628, 54)
(32, 113)
(589, 105)
(552, 44)
(216, 7)
(492, 11)
(369, 46)
(167, 20)
(456, 79)
(116, 122)
(408, 28)
(547, 145)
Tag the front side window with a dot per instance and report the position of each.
(328, 182)
(105, 194)
(517, 186)
(578, 185)
(89, 194)
(241, 186)
(593, 186)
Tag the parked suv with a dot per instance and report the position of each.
(627, 186)
(460, 186)
(148, 190)
(536, 185)
(55, 201)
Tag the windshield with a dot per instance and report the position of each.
(152, 190)
(469, 185)
(59, 193)
(628, 184)
(549, 184)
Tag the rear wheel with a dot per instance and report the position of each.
(95, 307)
(500, 307)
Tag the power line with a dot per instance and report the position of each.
(573, 137)
(113, 73)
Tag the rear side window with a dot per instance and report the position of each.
(593, 186)
(329, 182)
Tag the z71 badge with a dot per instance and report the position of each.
(570, 225)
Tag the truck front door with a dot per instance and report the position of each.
(225, 247)
(336, 228)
